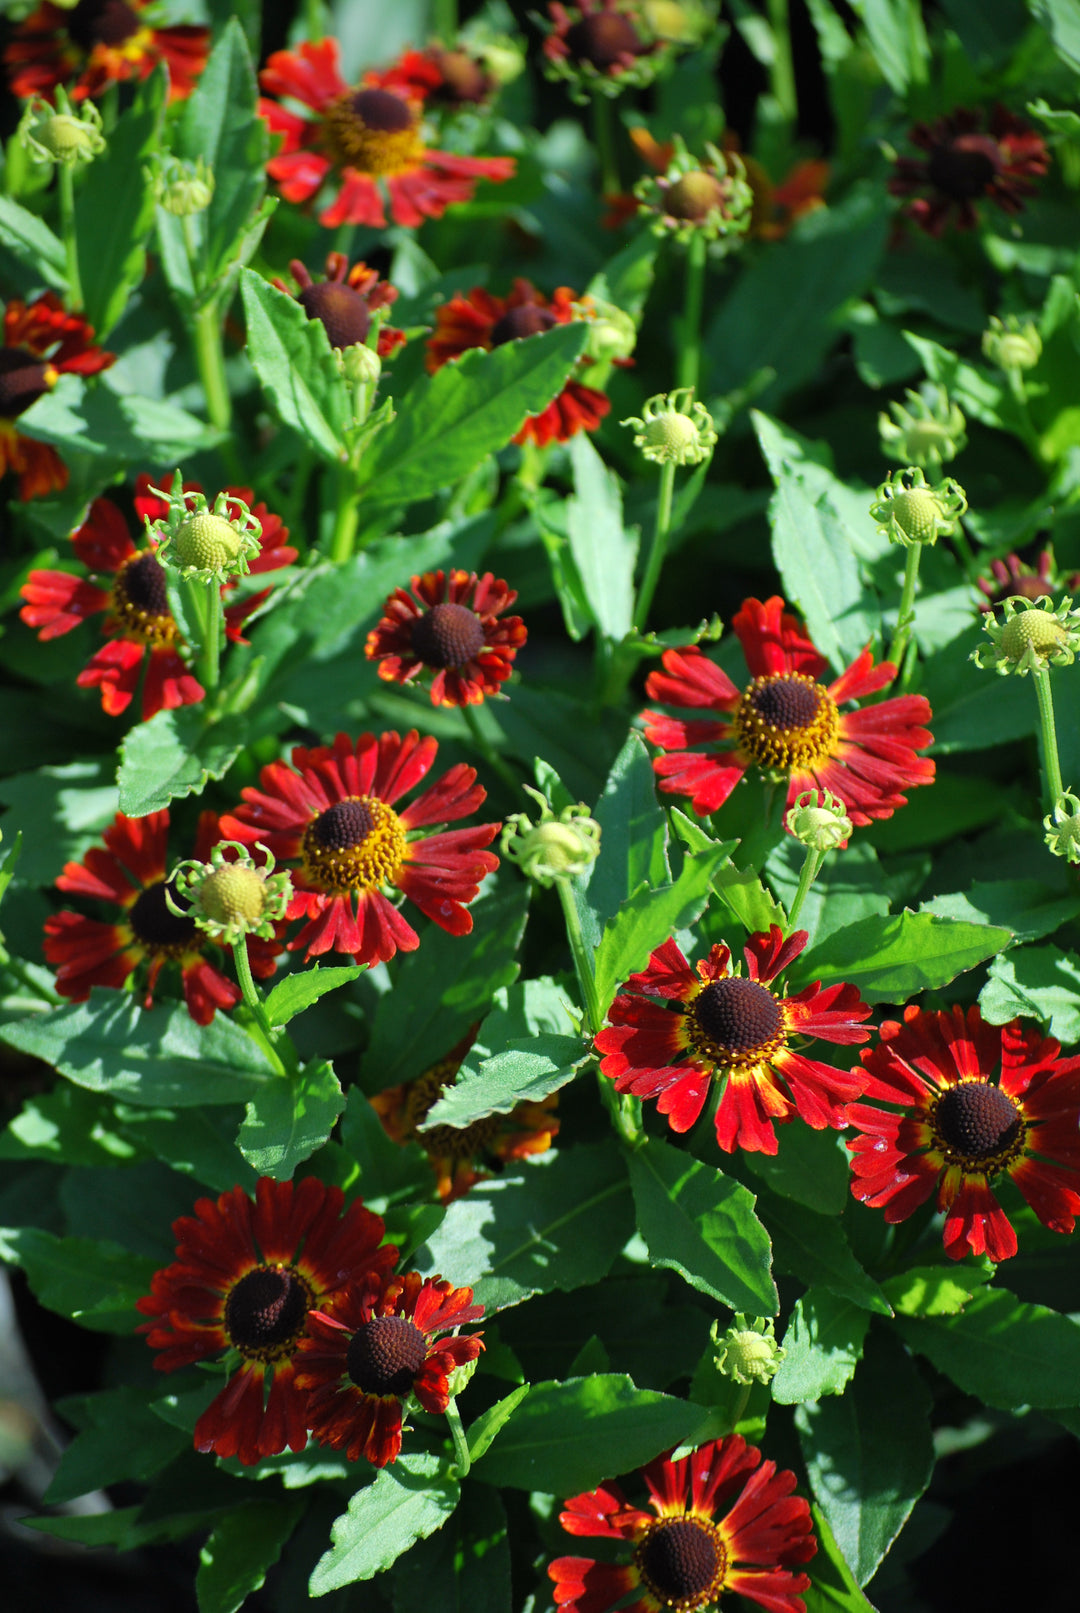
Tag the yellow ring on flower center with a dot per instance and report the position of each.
(734, 1023)
(374, 131)
(139, 601)
(447, 1142)
(977, 1126)
(683, 1561)
(787, 723)
(356, 844)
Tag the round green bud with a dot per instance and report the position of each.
(694, 196)
(557, 848)
(1036, 630)
(673, 434)
(67, 138)
(916, 513)
(186, 196)
(207, 542)
(233, 893)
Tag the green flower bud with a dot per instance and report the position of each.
(61, 134)
(1012, 343)
(908, 510)
(1031, 634)
(711, 198)
(748, 1351)
(229, 900)
(612, 333)
(925, 430)
(199, 541)
(674, 431)
(1063, 827)
(819, 819)
(554, 847)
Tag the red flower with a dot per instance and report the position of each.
(470, 652)
(446, 78)
(596, 39)
(686, 1558)
(711, 1023)
(971, 1101)
(345, 301)
(787, 722)
(377, 1346)
(481, 320)
(96, 43)
(966, 163)
(360, 136)
(41, 343)
(247, 1277)
(333, 810)
(130, 873)
(138, 621)
(1013, 579)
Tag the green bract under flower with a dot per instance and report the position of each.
(819, 819)
(1012, 343)
(909, 510)
(1063, 827)
(1029, 636)
(711, 198)
(748, 1352)
(673, 429)
(60, 133)
(229, 899)
(925, 430)
(556, 847)
(181, 188)
(199, 541)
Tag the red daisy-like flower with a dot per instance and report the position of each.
(129, 872)
(247, 1276)
(377, 1345)
(596, 39)
(1014, 579)
(480, 320)
(139, 624)
(972, 1101)
(334, 811)
(449, 625)
(41, 342)
(362, 138)
(677, 1029)
(88, 46)
(721, 1520)
(345, 301)
(445, 78)
(969, 160)
(786, 723)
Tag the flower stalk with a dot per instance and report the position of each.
(1048, 746)
(65, 180)
(689, 365)
(462, 1458)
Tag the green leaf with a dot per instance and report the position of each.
(932, 1290)
(560, 1224)
(173, 755)
(650, 917)
(633, 841)
(832, 1584)
(405, 1503)
(114, 209)
(155, 1057)
(567, 1437)
(702, 1224)
(812, 1167)
(297, 992)
(292, 357)
(1061, 19)
(96, 419)
(96, 1284)
(869, 1454)
(604, 552)
(67, 806)
(120, 1438)
(897, 37)
(1027, 907)
(891, 959)
(465, 411)
(479, 1435)
(814, 1249)
(847, 889)
(973, 710)
(241, 1550)
(1041, 982)
(1002, 1350)
(823, 1345)
(388, 1170)
(30, 239)
(464, 1567)
(66, 1126)
(289, 1119)
(200, 1143)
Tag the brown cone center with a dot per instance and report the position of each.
(343, 826)
(464, 79)
(385, 1355)
(965, 167)
(265, 1309)
(737, 1015)
(344, 313)
(603, 39)
(977, 1120)
(382, 110)
(528, 320)
(447, 635)
(693, 197)
(102, 22)
(156, 925)
(786, 703)
(144, 585)
(23, 380)
(681, 1561)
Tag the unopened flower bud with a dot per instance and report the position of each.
(555, 847)
(710, 197)
(229, 900)
(1063, 827)
(360, 364)
(612, 333)
(819, 819)
(198, 540)
(748, 1352)
(927, 429)
(673, 429)
(1029, 636)
(909, 510)
(1012, 343)
(61, 134)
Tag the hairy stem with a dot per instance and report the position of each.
(462, 1459)
(1048, 746)
(810, 870)
(66, 186)
(658, 549)
(906, 615)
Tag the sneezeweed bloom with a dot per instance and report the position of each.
(57, 134)
(1031, 635)
(925, 430)
(1012, 343)
(96, 43)
(478, 319)
(722, 1520)
(333, 813)
(712, 198)
(368, 142)
(41, 342)
(599, 47)
(674, 1032)
(344, 301)
(463, 1155)
(969, 159)
(969, 1102)
(231, 896)
(785, 723)
(819, 821)
(130, 872)
(1063, 827)
(382, 1345)
(448, 628)
(139, 624)
(909, 510)
(557, 846)
(246, 1278)
(674, 429)
(1013, 579)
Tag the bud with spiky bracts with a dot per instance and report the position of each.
(711, 198)
(182, 188)
(908, 509)
(674, 429)
(926, 429)
(60, 133)
(819, 819)
(199, 541)
(1030, 636)
(1012, 343)
(555, 847)
(1063, 827)
(747, 1351)
(229, 899)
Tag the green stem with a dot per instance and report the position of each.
(906, 614)
(738, 1411)
(254, 1003)
(343, 541)
(209, 671)
(66, 185)
(488, 752)
(314, 20)
(604, 133)
(658, 550)
(462, 1459)
(1048, 745)
(210, 359)
(810, 870)
(583, 964)
(689, 362)
(782, 70)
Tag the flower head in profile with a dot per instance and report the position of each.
(139, 625)
(1012, 343)
(344, 301)
(367, 142)
(712, 198)
(95, 43)
(479, 319)
(61, 134)
(333, 813)
(819, 820)
(383, 1344)
(968, 158)
(1030, 635)
(449, 627)
(463, 1155)
(41, 342)
(1062, 827)
(909, 510)
(599, 47)
(246, 1278)
(467, 74)
(151, 931)
(675, 1030)
(721, 1520)
(786, 723)
(967, 1104)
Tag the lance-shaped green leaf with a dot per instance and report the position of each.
(114, 209)
(891, 959)
(813, 1248)
(241, 1550)
(294, 361)
(604, 552)
(633, 841)
(823, 1345)
(297, 992)
(832, 1584)
(96, 1284)
(482, 1432)
(453, 419)
(173, 755)
(95, 419)
(289, 1119)
(1006, 1352)
(404, 1504)
(30, 239)
(119, 1437)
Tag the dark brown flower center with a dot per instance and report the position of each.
(140, 601)
(683, 1562)
(977, 1120)
(447, 635)
(736, 1016)
(528, 320)
(145, 586)
(464, 79)
(374, 131)
(385, 1355)
(344, 313)
(603, 39)
(343, 826)
(693, 197)
(23, 380)
(786, 703)
(382, 111)
(265, 1310)
(157, 926)
(965, 167)
(786, 721)
(354, 844)
(102, 22)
